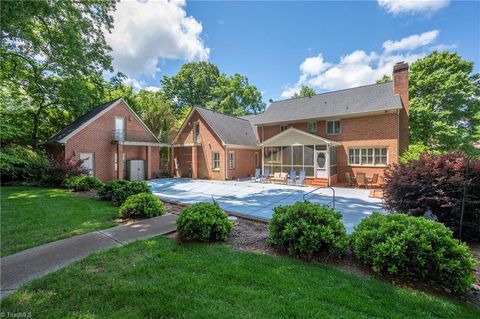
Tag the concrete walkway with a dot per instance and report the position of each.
(35, 262)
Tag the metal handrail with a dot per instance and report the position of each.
(316, 189)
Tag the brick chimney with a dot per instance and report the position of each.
(400, 82)
(400, 86)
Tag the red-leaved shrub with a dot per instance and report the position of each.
(61, 169)
(436, 182)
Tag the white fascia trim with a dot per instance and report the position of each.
(143, 143)
(248, 147)
(292, 129)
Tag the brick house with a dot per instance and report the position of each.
(113, 142)
(362, 129)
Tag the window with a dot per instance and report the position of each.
(119, 128)
(312, 127)
(124, 162)
(283, 127)
(215, 160)
(367, 156)
(333, 127)
(231, 160)
(196, 130)
(116, 161)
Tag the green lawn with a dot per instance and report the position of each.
(31, 216)
(159, 278)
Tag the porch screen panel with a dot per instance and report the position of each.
(308, 158)
(333, 160)
(297, 158)
(276, 160)
(286, 159)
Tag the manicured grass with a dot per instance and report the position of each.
(159, 278)
(32, 216)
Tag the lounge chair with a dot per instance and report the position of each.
(349, 179)
(279, 177)
(373, 181)
(256, 178)
(361, 180)
(265, 176)
(292, 177)
(301, 179)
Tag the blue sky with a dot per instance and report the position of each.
(282, 45)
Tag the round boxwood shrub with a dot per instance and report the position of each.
(204, 222)
(119, 190)
(306, 229)
(413, 247)
(142, 205)
(82, 183)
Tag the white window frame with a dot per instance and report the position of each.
(231, 160)
(195, 135)
(115, 161)
(215, 162)
(283, 127)
(333, 121)
(312, 127)
(358, 152)
(120, 136)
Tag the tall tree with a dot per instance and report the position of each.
(53, 54)
(444, 102)
(305, 91)
(202, 84)
(384, 79)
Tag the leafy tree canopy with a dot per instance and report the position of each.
(53, 55)
(444, 102)
(384, 79)
(305, 91)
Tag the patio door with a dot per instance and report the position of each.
(321, 164)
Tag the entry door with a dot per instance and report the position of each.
(87, 159)
(321, 164)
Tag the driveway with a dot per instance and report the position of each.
(258, 200)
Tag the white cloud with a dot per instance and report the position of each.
(411, 42)
(152, 88)
(398, 7)
(360, 67)
(147, 31)
(136, 84)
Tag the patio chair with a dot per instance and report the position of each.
(256, 178)
(301, 179)
(279, 177)
(292, 177)
(361, 180)
(349, 179)
(266, 175)
(373, 181)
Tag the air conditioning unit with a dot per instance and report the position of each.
(136, 170)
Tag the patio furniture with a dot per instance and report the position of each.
(349, 179)
(292, 177)
(265, 176)
(256, 178)
(279, 177)
(361, 180)
(301, 179)
(373, 181)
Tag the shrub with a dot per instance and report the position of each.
(436, 182)
(21, 164)
(141, 205)
(118, 190)
(204, 222)
(82, 183)
(413, 247)
(60, 170)
(307, 229)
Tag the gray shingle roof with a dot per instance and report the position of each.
(230, 129)
(57, 137)
(361, 99)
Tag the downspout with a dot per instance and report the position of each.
(398, 136)
(226, 162)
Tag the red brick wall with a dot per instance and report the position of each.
(244, 163)
(209, 143)
(400, 86)
(366, 131)
(97, 137)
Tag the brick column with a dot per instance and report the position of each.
(149, 163)
(120, 161)
(194, 162)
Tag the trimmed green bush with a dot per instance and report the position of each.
(306, 229)
(413, 247)
(118, 191)
(204, 222)
(21, 164)
(82, 183)
(142, 205)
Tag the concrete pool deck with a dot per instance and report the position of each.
(256, 200)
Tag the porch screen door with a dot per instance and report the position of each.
(321, 164)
